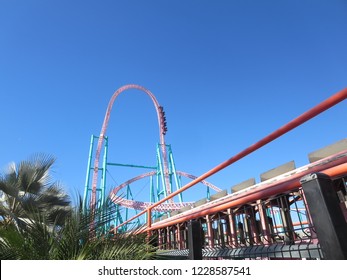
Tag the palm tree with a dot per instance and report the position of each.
(72, 240)
(27, 189)
(37, 221)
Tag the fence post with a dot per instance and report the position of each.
(194, 240)
(326, 214)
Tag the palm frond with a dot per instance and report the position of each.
(38, 221)
(33, 174)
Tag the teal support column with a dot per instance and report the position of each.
(161, 170)
(103, 182)
(151, 190)
(126, 209)
(86, 186)
(172, 163)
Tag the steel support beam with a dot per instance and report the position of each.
(194, 240)
(326, 214)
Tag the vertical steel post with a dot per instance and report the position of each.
(168, 237)
(326, 214)
(178, 233)
(209, 231)
(253, 234)
(151, 190)
(172, 162)
(265, 226)
(161, 170)
(286, 218)
(232, 226)
(149, 222)
(185, 235)
(127, 210)
(220, 230)
(160, 240)
(157, 186)
(86, 188)
(104, 170)
(247, 228)
(309, 218)
(103, 183)
(194, 240)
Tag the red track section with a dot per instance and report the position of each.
(140, 205)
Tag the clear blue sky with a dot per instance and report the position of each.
(227, 73)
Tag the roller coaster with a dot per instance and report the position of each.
(163, 177)
(266, 220)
